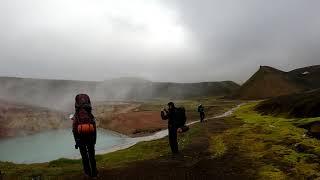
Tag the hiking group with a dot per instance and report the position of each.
(85, 131)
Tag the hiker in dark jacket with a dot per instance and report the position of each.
(85, 133)
(201, 112)
(172, 117)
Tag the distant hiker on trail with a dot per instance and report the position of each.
(201, 111)
(85, 133)
(176, 123)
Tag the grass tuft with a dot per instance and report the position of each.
(217, 146)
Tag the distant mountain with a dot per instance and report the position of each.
(270, 82)
(308, 77)
(139, 90)
(59, 94)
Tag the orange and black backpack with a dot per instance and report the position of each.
(84, 119)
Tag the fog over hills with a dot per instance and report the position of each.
(59, 94)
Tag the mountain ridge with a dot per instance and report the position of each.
(59, 94)
(270, 82)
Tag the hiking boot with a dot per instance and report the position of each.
(175, 154)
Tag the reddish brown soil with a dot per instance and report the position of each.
(134, 123)
(129, 119)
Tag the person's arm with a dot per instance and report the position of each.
(164, 114)
(95, 132)
(75, 132)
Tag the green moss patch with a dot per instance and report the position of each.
(279, 148)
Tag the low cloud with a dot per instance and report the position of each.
(170, 40)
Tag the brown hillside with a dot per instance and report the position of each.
(268, 82)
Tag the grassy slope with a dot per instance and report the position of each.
(280, 149)
(266, 147)
(306, 104)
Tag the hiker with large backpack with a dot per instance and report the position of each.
(85, 133)
(176, 123)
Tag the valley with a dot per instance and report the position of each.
(273, 135)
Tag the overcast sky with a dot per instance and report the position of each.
(159, 40)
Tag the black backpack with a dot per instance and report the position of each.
(181, 116)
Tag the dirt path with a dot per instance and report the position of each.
(194, 162)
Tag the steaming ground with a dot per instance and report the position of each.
(125, 118)
(59, 94)
(19, 119)
(28, 106)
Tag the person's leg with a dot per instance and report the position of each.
(85, 159)
(92, 159)
(173, 140)
(202, 116)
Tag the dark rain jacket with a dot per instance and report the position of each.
(201, 109)
(172, 116)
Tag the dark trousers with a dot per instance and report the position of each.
(173, 139)
(202, 116)
(88, 159)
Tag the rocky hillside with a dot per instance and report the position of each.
(270, 82)
(18, 119)
(308, 77)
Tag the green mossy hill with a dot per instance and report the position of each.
(298, 105)
(280, 149)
